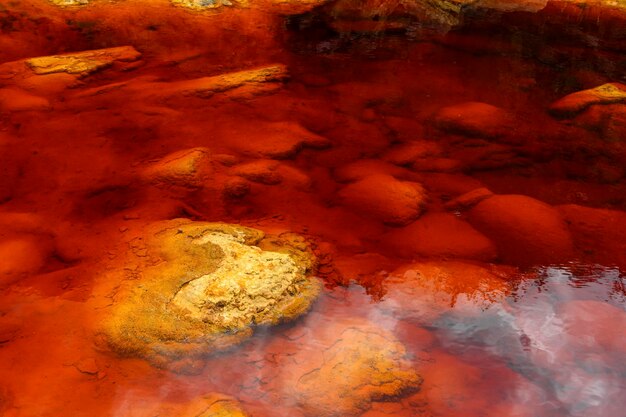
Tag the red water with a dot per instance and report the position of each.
(548, 339)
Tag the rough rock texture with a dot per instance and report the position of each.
(474, 119)
(197, 288)
(186, 168)
(575, 103)
(385, 198)
(82, 63)
(207, 86)
(70, 2)
(526, 231)
(440, 235)
(262, 171)
(352, 365)
(423, 291)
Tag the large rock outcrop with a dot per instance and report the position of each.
(190, 289)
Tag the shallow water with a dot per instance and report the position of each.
(504, 306)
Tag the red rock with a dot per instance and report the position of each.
(408, 153)
(262, 171)
(12, 99)
(356, 171)
(469, 199)
(87, 366)
(22, 255)
(599, 234)
(440, 235)
(575, 103)
(474, 119)
(385, 198)
(526, 231)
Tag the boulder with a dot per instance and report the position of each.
(575, 103)
(190, 289)
(385, 198)
(474, 119)
(526, 231)
(440, 235)
(22, 255)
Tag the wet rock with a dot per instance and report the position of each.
(422, 291)
(358, 170)
(206, 87)
(526, 231)
(12, 99)
(406, 154)
(385, 198)
(22, 255)
(262, 171)
(599, 234)
(440, 235)
(235, 188)
(575, 103)
(277, 140)
(474, 119)
(82, 63)
(199, 288)
(187, 168)
(469, 199)
(351, 365)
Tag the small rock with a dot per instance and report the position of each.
(469, 199)
(526, 231)
(236, 188)
(88, 366)
(262, 171)
(406, 154)
(187, 168)
(440, 235)
(356, 171)
(474, 119)
(575, 103)
(385, 198)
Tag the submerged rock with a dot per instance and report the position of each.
(575, 103)
(385, 198)
(526, 231)
(198, 288)
(186, 168)
(474, 119)
(350, 366)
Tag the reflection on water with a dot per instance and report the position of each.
(453, 175)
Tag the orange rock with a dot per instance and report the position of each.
(474, 119)
(357, 170)
(440, 235)
(408, 153)
(526, 231)
(22, 255)
(385, 198)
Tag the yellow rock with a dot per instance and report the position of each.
(83, 63)
(192, 288)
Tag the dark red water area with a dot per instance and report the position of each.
(462, 187)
